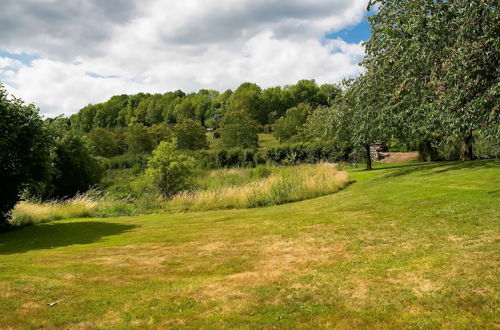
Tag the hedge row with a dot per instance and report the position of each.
(299, 153)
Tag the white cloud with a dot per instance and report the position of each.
(156, 46)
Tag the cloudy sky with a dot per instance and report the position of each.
(62, 54)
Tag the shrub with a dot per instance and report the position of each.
(169, 169)
(262, 171)
(305, 153)
(139, 161)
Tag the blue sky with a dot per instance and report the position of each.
(353, 34)
(85, 52)
(26, 59)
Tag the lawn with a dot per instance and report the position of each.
(266, 141)
(411, 245)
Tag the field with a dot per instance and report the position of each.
(266, 141)
(407, 246)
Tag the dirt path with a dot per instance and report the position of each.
(398, 157)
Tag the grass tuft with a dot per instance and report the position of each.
(282, 186)
(29, 213)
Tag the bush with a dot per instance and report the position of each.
(169, 169)
(139, 161)
(305, 153)
(224, 158)
(262, 171)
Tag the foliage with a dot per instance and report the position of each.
(75, 170)
(238, 129)
(169, 169)
(436, 64)
(139, 140)
(287, 127)
(190, 135)
(105, 142)
(24, 150)
(311, 153)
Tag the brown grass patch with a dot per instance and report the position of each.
(416, 283)
(278, 260)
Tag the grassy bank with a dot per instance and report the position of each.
(407, 246)
(275, 187)
(211, 190)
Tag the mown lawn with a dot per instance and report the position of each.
(412, 245)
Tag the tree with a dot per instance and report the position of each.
(362, 106)
(247, 98)
(190, 135)
(138, 139)
(74, 169)
(333, 125)
(169, 169)
(24, 150)
(306, 91)
(275, 103)
(438, 61)
(160, 132)
(104, 142)
(288, 126)
(238, 129)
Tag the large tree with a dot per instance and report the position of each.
(238, 129)
(438, 61)
(24, 150)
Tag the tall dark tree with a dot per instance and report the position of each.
(24, 150)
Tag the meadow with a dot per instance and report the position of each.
(411, 245)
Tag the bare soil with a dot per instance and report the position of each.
(398, 157)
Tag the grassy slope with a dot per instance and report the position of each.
(410, 245)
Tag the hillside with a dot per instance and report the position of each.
(409, 245)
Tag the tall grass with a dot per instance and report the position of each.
(279, 187)
(217, 189)
(27, 213)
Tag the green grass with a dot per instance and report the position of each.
(407, 246)
(266, 141)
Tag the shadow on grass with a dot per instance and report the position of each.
(446, 166)
(52, 235)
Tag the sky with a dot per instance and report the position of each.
(62, 55)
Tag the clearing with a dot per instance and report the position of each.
(410, 245)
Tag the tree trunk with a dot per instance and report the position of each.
(467, 152)
(368, 158)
